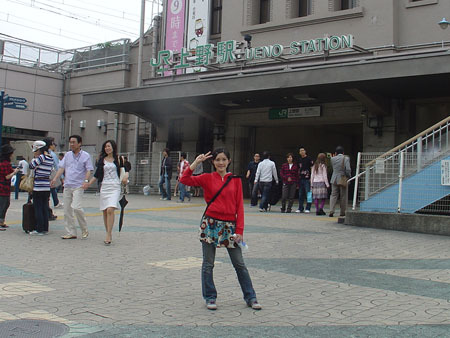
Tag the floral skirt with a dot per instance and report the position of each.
(217, 232)
(319, 190)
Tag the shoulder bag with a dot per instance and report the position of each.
(27, 182)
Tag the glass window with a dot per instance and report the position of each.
(216, 17)
(347, 4)
(264, 11)
(304, 7)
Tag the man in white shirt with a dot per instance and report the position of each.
(265, 174)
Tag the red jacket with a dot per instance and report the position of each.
(229, 205)
(285, 173)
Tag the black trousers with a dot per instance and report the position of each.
(40, 203)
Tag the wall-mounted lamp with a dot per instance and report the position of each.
(219, 132)
(82, 124)
(443, 23)
(102, 123)
(376, 123)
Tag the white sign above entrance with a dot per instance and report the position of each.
(292, 113)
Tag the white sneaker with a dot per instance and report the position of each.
(211, 305)
(35, 233)
(297, 211)
(59, 205)
(307, 211)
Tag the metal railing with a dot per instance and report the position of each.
(383, 170)
(51, 59)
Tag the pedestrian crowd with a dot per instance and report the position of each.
(222, 223)
(310, 178)
(47, 172)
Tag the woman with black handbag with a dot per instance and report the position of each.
(222, 224)
(111, 173)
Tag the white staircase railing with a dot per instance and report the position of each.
(381, 170)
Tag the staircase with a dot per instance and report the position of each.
(406, 179)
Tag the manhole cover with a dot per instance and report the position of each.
(32, 328)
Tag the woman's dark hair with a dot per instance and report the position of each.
(49, 141)
(291, 155)
(5, 157)
(321, 159)
(103, 154)
(220, 151)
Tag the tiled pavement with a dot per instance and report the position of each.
(313, 276)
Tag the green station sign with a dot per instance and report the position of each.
(9, 130)
(291, 113)
(232, 51)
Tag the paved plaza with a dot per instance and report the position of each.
(313, 276)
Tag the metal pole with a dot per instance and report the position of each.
(355, 191)
(2, 98)
(419, 153)
(367, 184)
(139, 70)
(400, 182)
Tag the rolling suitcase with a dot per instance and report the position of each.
(28, 218)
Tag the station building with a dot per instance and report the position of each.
(259, 75)
(255, 75)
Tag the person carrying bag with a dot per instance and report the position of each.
(222, 223)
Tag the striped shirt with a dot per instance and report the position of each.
(43, 167)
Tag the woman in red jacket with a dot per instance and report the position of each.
(222, 224)
(289, 174)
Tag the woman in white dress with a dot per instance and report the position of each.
(108, 174)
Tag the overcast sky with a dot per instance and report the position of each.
(67, 24)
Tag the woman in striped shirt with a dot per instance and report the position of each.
(42, 164)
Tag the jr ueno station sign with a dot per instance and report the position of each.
(232, 51)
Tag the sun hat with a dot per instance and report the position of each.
(38, 145)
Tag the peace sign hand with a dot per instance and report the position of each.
(203, 157)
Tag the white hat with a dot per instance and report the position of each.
(38, 145)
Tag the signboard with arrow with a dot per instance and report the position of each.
(12, 102)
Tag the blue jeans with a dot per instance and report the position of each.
(254, 188)
(16, 186)
(265, 188)
(164, 180)
(54, 194)
(304, 187)
(208, 288)
(183, 192)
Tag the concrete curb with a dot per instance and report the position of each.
(425, 224)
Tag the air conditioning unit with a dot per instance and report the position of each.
(83, 124)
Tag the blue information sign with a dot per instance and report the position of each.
(13, 99)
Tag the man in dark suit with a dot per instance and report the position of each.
(165, 175)
(341, 167)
